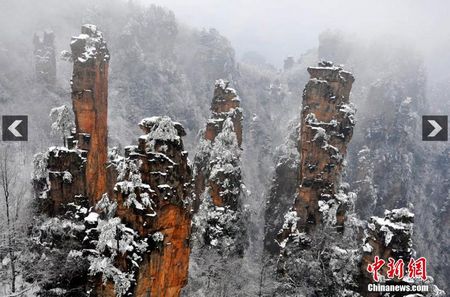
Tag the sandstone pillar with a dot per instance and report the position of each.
(90, 105)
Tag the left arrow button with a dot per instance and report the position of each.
(13, 128)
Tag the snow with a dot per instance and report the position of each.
(161, 128)
(6, 260)
(290, 221)
(92, 41)
(349, 111)
(40, 166)
(225, 154)
(67, 177)
(106, 206)
(321, 134)
(104, 266)
(399, 214)
(158, 237)
(75, 254)
(223, 84)
(387, 235)
(148, 203)
(367, 248)
(132, 201)
(108, 237)
(92, 218)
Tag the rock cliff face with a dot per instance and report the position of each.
(283, 189)
(309, 246)
(392, 237)
(387, 237)
(153, 198)
(125, 219)
(63, 182)
(220, 227)
(90, 104)
(44, 57)
(226, 118)
(326, 128)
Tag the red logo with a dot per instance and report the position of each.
(375, 266)
(418, 268)
(396, 269)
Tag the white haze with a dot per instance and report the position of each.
(277, 29)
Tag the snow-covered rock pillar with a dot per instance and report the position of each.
(388, 237)
(226, 120)
(220, 222)
(326, 128)
(90, 104)
(153, 196)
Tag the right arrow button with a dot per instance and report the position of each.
(434, 128)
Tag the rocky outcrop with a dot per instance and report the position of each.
(226, 119)
(153, 198)
(90, 104)
(388, 255)
(220, 223)
(79, 171)
(44, 57)
(312, 260)
(63, 181)
(326, 128)
(388, 237)
(125, 219)
(283, 189)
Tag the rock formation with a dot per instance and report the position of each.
(152, 197)
(310, 251)
(126, 220)
(326, 128)
(90, 105)
(226, 117)
(283, 189)
(44, 57)
(389, 242)
(388, 237)
(220, 226)
(79, 171)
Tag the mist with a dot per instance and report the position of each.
(277, 29)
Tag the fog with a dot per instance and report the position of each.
(277, 29)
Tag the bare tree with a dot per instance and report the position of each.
(12, 196)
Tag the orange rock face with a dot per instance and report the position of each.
(151, 187)
(158, 207)
(327, 127)
(90, 104)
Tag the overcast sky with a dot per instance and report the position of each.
(278, 28)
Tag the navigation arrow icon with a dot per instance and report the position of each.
(434, 128)
(13, 128)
